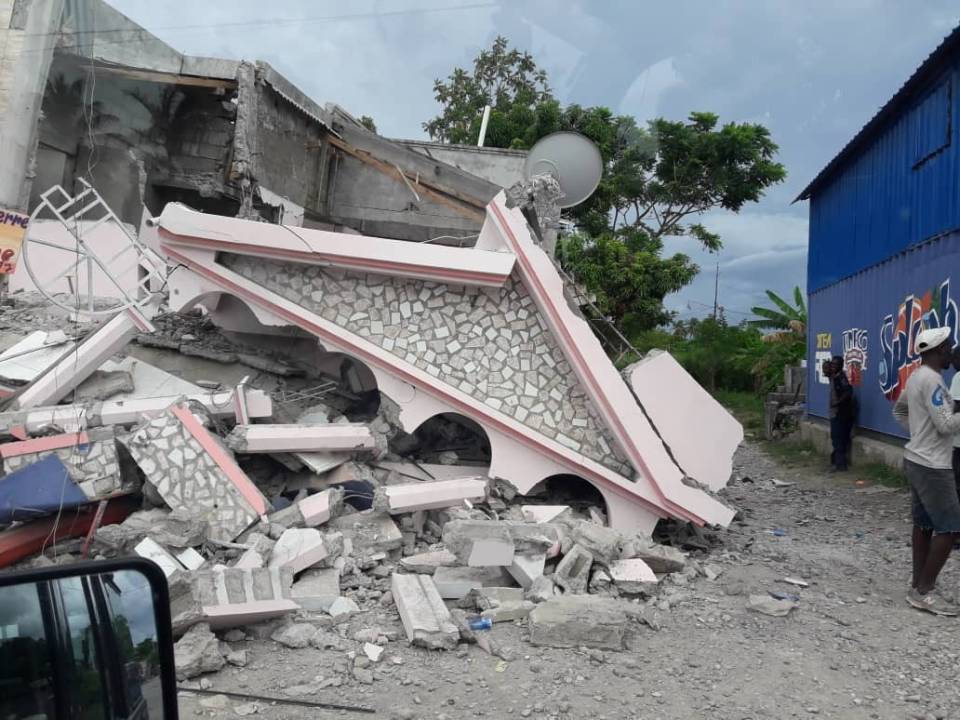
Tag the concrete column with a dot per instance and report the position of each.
(28, 34)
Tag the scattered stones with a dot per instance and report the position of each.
(770, 606)
(297, 635)
(197, 652)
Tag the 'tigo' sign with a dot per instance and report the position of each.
(13, 227)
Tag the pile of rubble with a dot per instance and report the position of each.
(302, 514)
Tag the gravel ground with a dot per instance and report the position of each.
(852, 649)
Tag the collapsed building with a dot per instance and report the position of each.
(446, 378)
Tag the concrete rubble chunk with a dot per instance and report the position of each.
(343, 606)
(300, 438)
(768, 605)
(633, 576)
(191, 559)
(370, 531)
(410, 497)
(249, 560)
(484, 640)
(425, 618)
(297, 635)
(237, 597)
(175, 529)
(543, 513)
(483, 543)
(373, 652)
(298, 549)
(428, 562)
(605, 544)
(454, 582)
(318, 508)
(573, 572)
(509, 611)
(102, 385)
(525, 569)
(490, 597)
(316, 590)
(150, 550)
(197, 652)
(579, 620)
(660, 558)
(542, 589)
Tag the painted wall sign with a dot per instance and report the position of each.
(13, 226)
(855, 354)
(876, 316)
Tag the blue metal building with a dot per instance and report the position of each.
(885, 240)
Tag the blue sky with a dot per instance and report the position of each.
(813, 72)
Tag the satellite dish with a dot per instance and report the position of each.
(572, 159)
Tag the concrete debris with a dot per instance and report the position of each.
(490, 597)
(768, 605)
(298, 549)
(509, 611)
(525, 569)
(484, 543)
(425, 618)
(541, 590)
(343, 607)
(298, 635)
(573, 572)
(369, 531)
(454, 582)
(237, 597)
(197, 652)
(300, 438)
(661, 558)
(190, 559)
(103, 385)
(150, 550)
(316, 590)
(633, 576)
(544, 513)
(373, 652)
(605, 544)
(579, 621)
(410, 497)
(428, 562)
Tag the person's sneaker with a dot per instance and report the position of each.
(932, 602)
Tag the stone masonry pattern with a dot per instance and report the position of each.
(490, 343)
(93, 465)
(187, 478)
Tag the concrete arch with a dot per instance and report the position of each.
(453, 431)
(571, 489)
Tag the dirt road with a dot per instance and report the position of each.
(852, 649)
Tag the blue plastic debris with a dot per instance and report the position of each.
(43, 488)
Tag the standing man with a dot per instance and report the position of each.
(925, 408)
(955, 394)
(841, 414)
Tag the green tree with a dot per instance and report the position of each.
(784, 316)
(368, 123)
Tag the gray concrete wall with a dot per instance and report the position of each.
(498, 166)
(865, 449)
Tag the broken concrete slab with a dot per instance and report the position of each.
(605, 544)
(454, 582)
(542, 589)
(236, 597)
(190, 559)
(249, 560)
(573, 572)
(525, 569)
(428, 562)
(317, 589)
(579, 620)
(195, 474)
(24, 361)
(633, 576)
(369, 531)
(171, 529)
(410, 497)
(150, 550)
(425, 618)
(318, 508)
(661, 558)
(298, 549)
(494, 542)
(543, 513)
(197, 652)
(300, 438)
(509, 611)
(103, 385)
(149, 380)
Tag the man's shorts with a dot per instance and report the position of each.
(936, 505)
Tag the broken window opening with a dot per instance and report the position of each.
(447, 439)
(579, 494)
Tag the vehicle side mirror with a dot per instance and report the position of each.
(90, 639)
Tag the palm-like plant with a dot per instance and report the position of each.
(784, 317)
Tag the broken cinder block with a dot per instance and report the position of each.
(425, 618)
(573, 572)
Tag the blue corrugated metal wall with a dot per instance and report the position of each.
(901, 190)
(872, 319)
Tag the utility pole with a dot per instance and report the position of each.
(716, 290)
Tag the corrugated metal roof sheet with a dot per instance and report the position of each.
(928, 68)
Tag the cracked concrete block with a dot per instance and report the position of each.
(543, 513)
(298, 549)
(605, 544)
(454, 582)
(428, 562)
(486, 541)
(509, 611)
(318, 508)
(425, 618)
(150, 550)
(249, 560)
(197, 652)
(410, 497)
(316, 590)
(573, 572)
(527, 568)
(297, 635)
(542, 589)
(191, 559)
(660, 558)
(578, 620)
(369, 531)
(633, 576)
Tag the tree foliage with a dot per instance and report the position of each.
(783, 316)
(368, 123)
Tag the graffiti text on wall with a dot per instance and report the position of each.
(898, 358)
(855, 354)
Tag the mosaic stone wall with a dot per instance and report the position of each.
(488, 342)
(93, 465)
(187, 478)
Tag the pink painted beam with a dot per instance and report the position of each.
(77, 365)
(178, 225)
(600, 379)
(410, 497)
(43, 444)
(224, 461)
(301, 438)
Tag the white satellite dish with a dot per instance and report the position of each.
(572, 159)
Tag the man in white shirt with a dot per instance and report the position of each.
(925, 408)
(955, 394)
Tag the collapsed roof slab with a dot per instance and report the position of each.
(514, 358)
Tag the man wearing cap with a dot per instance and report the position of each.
(925, 408)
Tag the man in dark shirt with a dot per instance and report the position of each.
(841, 415)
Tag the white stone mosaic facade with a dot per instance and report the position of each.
(92, 465)
(488, 342)
(187, 478)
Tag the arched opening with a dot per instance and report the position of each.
(582, 496)
(446, 439)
